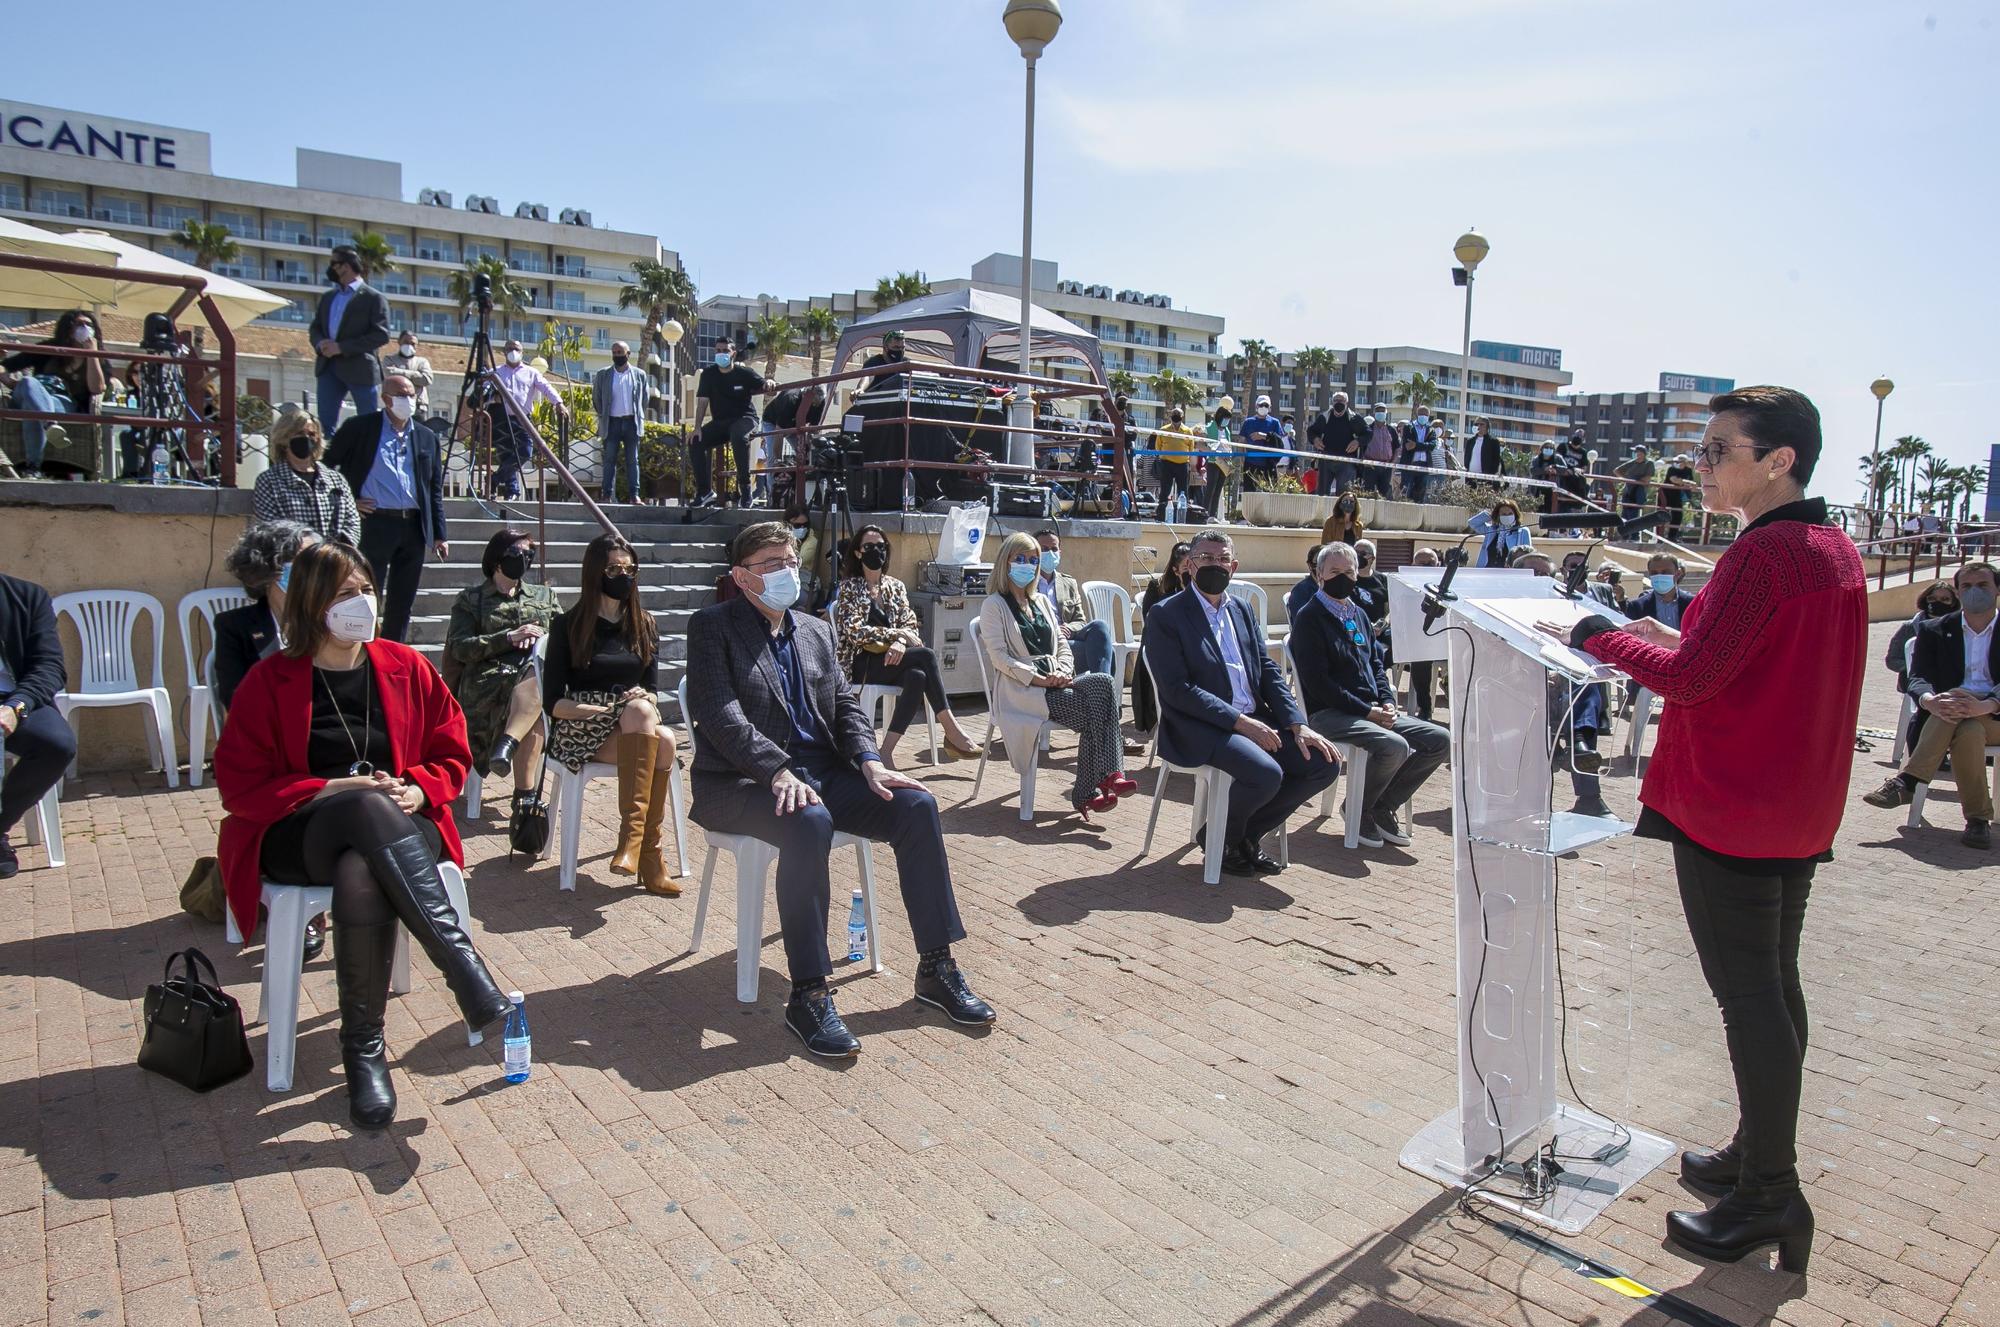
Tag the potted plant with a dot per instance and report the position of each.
(663, 456)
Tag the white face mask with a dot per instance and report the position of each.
(82, 334)
(781, 589)
(406, 351)
(513, 357)
(352, 620)
(402, 407)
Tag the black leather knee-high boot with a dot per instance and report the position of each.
(408, 875)
(361, 958)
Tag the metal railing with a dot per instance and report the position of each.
(1905, 554)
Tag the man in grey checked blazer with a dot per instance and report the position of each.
(784, 754)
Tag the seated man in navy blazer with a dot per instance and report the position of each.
(1223, 703)
(396, 470)
(1664, 600)
(783, 753)
(32, 730)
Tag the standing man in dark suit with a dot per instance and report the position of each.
(618, 395)
(1223, 703)
(31, 729)
(396, 470)
(784, 754)
(349, 326)
(1664, 600)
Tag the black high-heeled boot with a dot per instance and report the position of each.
(1748, 1219)
(361, 958)
(501, 759)
(409, 878)
(1713, 1172)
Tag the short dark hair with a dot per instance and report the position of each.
(764, 534)
(1312, 558)
(347, 253)
(1986, 567)
(1046, 532)
(1776, 417)
(497, 546)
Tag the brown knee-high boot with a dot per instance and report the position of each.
(652, 863)
(636, 753)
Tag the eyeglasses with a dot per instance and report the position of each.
(768, 565)
(1709, 454)
(621, 569)
(1209, 559)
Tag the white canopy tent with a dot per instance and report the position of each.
(973, 328)
(31, 288)
(237, 301)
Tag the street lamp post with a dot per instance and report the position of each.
(1881, 387)
(671, 332)
(1033, 25)
(1469, 250)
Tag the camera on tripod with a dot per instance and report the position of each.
(157, 336)
(482, 291)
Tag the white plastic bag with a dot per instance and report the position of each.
(964, 532)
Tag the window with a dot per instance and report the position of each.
(291, 271)
(601, 339)
(395, 283)
(10, 196)
(431, 286)
(119, 211)
(433, 323)
(527, 262)
(169, 216)
(332, 236)
(240, 224)
(295, 312)
(287, 230)
(243, 269)
(569, 301)
(437, 249)
(474, 250)
(59, 202)
(399, 243)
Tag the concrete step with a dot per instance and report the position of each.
(556, 552)
(435, 598)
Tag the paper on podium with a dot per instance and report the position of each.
(1514, 621)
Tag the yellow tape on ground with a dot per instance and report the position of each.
(1625, 1286)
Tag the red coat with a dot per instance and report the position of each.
(260, 760)
(1761, 698)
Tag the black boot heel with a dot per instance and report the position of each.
(409, 878)
(1794, 1254)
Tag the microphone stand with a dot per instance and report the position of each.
(1440, 594)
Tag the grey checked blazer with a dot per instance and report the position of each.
(736, 703)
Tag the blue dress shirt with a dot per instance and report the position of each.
(341, 298)
(392, 480)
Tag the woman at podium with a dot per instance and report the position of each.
(1762, 685)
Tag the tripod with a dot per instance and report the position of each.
(472, 388)
(830, 500)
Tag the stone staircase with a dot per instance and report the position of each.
(678, 565)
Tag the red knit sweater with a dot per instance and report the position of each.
(1761, 697)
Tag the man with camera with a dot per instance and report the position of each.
(349, 326)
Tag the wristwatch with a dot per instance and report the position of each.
(20, 707)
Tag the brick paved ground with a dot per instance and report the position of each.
(1189, 1111)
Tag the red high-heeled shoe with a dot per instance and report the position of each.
(1102, 802)
(1119, 783)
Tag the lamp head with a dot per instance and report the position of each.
(1881, 387)
(1470, 249)
(1032, 24)
(671, 331)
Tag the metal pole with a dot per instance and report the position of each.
(1465, 369)
(1015, 441)
(1874, 482)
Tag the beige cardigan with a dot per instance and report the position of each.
(1020, 708)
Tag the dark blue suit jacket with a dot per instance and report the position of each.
(1196, 716)
(352, 450)
(1646, 605)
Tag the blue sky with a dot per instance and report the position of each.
(1784, 192)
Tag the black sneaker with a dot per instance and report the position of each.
(315, 942)
(1389, 831)
(10, 865)
(811, 1014)
(945, 988)
(1895, 791)
(1978, 834)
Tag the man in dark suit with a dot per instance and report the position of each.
(1952, 675)
(1663, 600)
(31, 730)
(396, 470)
(784, 754)
(1223, 703)
(349, 326)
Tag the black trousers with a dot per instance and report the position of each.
(306, 847)
(1423, 687)
(393, 543)
(1212, 493)
(1268, 786)
(916, 673)
(1173, 479)
(1746, 934)
(908, 822)
(715, 435)
(42, 747)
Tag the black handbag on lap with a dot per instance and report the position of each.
(194, 1029)
(528, 826)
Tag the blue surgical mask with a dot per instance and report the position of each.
(781, 589)
(1051, 559)
(722, 358)
(1022, 573)
(1662, 582)
(284, 578)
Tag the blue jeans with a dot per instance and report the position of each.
(513, 444)
(29, 394)
(332, 389)
(621, 442)
(1090, 648)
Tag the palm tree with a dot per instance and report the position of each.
(211, 244)
(773, 334)
(893, 290)
(1932, 473)
(1256, 355)
(510, 297)
(1170, 389)
(1906, 450)
(1878, 474)
(377, 258)
(1418, 391)
(1122, 383)
(659, 292)
(1972, 482)
(1310, 363)
(821, 326)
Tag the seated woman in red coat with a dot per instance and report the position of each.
(338, 766)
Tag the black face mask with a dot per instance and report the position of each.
(1347, 506)
(875, 557)
(333, 276)
(1935, 609)
(618, 587)
(300, 446)
(1211, 579)
(1339, 585)
(514, 563)
(620, 360)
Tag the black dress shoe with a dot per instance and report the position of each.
(1586, 760)
(315, 937)
(1747, 1220)
(501, 760)
(945, 988)
(1978, 834)
(1713, 1172)
(811, 1014)
(10, 865)
(1257, 859)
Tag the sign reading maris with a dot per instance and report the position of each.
(101, 138)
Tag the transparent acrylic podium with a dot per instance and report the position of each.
(1509, 684)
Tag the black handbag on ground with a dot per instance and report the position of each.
(528, 826)
(194, 1029)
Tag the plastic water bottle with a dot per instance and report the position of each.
(857, 930)
(519, 1051)
(162, 465)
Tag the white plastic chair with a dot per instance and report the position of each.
(993, 728)
(43, 824)
(1211, 805)
(1111, 603)
(566, 803)
(1906, 719)
(1353, 763)
(1642, 714)
(475, 791)
(105, 621)
(286, 909)
(754, 861)
(1916, 819)
(203, 712)
(878, 702)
